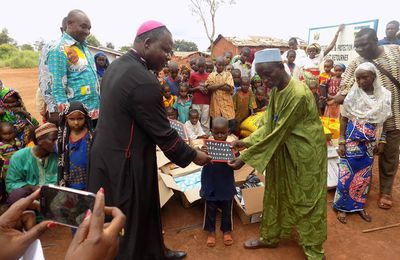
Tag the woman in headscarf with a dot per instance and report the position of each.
(365, 109)
(102, 64)
(12, 110)
(74, 141)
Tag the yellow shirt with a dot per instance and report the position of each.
(221, 103)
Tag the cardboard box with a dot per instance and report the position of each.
(253, 199)
(168, 175)
(164, 192)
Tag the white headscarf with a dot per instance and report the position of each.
(358, 105)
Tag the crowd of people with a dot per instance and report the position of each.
(102, 123)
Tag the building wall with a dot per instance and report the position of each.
(224, 45)
(185, 60)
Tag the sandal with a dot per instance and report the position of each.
(257, 243)
(341, 216)
(385, 201)
(228, 241)
(211, 241)
(364, 215)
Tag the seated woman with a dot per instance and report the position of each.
(33, 167)
(12, 110)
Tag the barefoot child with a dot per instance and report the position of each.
(365, 109)
(193, 126)
(74, 141)
(218, 189)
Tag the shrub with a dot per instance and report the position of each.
(11, 57)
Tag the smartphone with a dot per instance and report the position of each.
(65, 206)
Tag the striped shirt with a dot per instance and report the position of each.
(390, 61)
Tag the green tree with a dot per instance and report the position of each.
(26, 47)
(182, 45)
(5, 38)
(7, 50)
(110, 45)
(92, 40)
(125, 48)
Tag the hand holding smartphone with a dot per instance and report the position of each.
(65, 206)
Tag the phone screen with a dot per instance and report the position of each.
(65, 206)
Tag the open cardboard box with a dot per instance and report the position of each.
(168, 176)
(253, 199)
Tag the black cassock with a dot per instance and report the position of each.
(123, 157)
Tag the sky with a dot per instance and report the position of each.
(116, 21)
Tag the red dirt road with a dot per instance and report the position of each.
(183, 226)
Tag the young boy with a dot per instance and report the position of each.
(173, 78)
(218, 189)
(209, 66)
(168, 98)
(291, 68)
(220, 86)
(201, 99)
(193, 65)
(237, 79)
(193, 126)
(261, 99)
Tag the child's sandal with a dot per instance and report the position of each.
(228, 241)
(211, 241)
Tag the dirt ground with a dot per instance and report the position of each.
(183, 226)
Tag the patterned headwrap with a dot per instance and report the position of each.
(316, 46)
(45, 129)
(342, 66)
(63, 139)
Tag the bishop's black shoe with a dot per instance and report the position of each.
(174, 255)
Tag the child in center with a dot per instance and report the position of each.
(193, 126)
(220, 87)
(218, 189)
(74, 141)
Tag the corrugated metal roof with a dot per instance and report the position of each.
(255, 41)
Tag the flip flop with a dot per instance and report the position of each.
(228, 241)
(341, 216)
(257, 243)
(365, 216)
(385, 201)
(211, 241)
